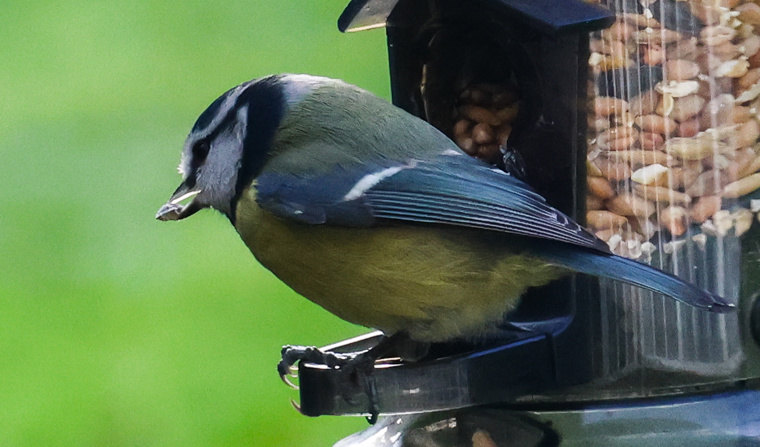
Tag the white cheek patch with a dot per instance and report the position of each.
(218, 175)
(370, 180)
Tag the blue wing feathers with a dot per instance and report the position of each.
(452, 190)
(628, 271)
(473, 195)
(316, 200)
(464, 213)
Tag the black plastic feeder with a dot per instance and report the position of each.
(556, 92)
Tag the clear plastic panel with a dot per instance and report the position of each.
(672, 175)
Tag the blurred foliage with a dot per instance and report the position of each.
(116, 329)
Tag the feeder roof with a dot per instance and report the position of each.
(549, 16)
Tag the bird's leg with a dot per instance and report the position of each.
(356, 367)
(361, 367)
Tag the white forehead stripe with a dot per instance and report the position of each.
(224, 109)
(370, 180)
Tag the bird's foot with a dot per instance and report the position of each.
(356, 368)
(291, 355)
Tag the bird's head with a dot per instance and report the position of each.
(230, 143)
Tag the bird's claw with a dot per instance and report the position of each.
(291, 355)
(296, 405)
(287, 381)
(294, 354)
(286, 368)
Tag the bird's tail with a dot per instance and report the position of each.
(615, 267)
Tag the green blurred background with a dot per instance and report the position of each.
(116, 329)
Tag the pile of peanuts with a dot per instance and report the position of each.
(483, 119)
(676, 158)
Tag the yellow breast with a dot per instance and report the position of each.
(435, 283)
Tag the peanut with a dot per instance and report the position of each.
(750, 45)
(686, 107)
(607, 105)
(681, 69)
(599, 187)
(482, 133)
(662, 194)
(705, 207)
(650, 174)
(716, 35)
(651, 141)
(645, 103)
(656, 123)
(748, 133)
(674, 218)
(742, 186)
(734, 68)
(749, 13)
(601, 220)
(631, 205)
(614, 171)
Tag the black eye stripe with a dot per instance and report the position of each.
(202, 147)
(200, 152)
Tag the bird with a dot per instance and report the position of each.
(379, 217)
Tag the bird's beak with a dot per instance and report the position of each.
(174, 210)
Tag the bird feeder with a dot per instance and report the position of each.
(636, 118)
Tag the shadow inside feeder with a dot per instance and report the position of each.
(471, 89)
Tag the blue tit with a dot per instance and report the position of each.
(380, 218)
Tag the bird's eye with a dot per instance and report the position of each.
(200, 151)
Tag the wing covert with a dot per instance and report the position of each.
(448, 189)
